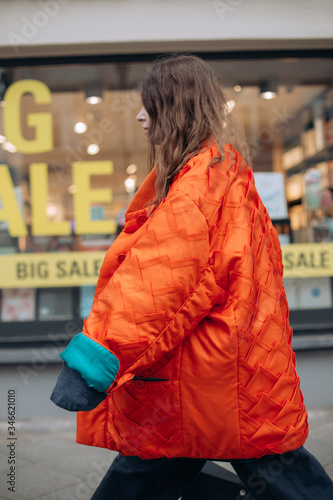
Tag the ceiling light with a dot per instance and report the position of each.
(230, 106)
(237, 88)
(268, 90)
(268, 94)
(94, 94)
(93, 149)
(51, 210)
(94, 99)
(131, 169)
(80, 127)
(129, 184)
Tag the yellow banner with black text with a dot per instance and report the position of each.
(70, 269)
(307, 260)
(40, 270)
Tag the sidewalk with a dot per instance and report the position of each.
(51, 466)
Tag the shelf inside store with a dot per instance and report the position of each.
(325, 154)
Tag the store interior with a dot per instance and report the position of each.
(284, 105)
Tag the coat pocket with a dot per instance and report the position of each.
(150, 379)
(148, 405)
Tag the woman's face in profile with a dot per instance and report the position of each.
(143, 118)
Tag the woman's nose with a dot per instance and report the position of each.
(140, 117)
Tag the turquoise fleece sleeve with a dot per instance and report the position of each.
(96, 364)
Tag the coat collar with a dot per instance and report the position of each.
(136, 213)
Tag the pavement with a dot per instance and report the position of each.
(49, 465)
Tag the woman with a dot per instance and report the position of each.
(186, 354)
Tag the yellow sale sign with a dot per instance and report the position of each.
(307, 260)
(50, 269)
(84, 196)
(82, 268)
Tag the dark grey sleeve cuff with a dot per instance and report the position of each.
(72, 392)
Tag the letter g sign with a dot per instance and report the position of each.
(42, 122)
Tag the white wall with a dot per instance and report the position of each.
(62, 27)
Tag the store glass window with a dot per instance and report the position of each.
(72, 156)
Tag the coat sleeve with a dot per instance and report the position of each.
(158, 295)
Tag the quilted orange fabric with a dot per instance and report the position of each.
(191, 302)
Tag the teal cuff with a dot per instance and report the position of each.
(96, 364)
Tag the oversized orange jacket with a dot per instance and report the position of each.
(189, 332)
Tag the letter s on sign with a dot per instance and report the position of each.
(42, 122)
(288, 261)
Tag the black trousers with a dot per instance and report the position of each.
(296, 475)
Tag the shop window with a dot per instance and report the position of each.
(55, 304)
(86, 300)
(70, 166)
(310, 293)
(18, 304)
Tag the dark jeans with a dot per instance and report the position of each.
(296, 475)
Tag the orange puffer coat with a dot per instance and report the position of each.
(192, 304)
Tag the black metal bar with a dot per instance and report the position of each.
(150, 57)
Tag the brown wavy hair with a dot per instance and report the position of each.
(187, 110)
